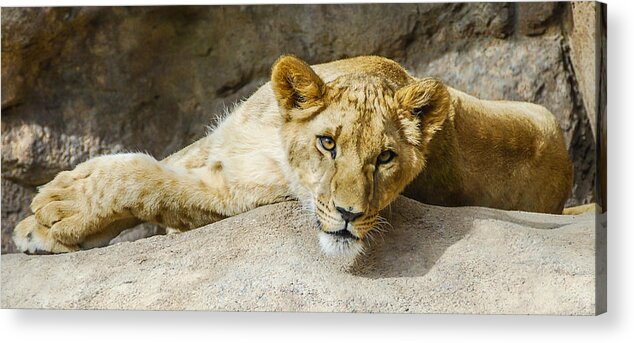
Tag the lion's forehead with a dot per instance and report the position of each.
(368, 106)
(362, 115)
(366, 131)
(360, 144)
(365, 94)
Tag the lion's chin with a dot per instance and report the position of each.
(339, 246)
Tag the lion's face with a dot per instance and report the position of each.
(354, 144)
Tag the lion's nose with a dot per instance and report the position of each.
(347, 215)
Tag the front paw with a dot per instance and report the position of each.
(31, 237)
(64, 206)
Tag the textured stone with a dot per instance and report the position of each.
(534, 17)
(80, 82)
(33, 154)
(15, 207)
(509, 70)
(28, 41)
(584, 55)
(432, 260)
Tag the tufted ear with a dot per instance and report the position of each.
(425, 102)
(296, 85)
(426, 97)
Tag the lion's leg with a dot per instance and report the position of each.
(111, 231)
(583, 209)
(85, 206)
(32, 237)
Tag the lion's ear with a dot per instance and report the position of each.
(424, 97)
(426, 102)
(296, 85)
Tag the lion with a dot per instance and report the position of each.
(344, 138)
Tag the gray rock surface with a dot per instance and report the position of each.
(80, 82)
(583, 42)
(432, 260)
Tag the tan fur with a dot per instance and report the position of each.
(583, 209)
(450, 149)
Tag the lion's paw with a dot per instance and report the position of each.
(65, 206)
(33, 238)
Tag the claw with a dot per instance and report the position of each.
(31, 237)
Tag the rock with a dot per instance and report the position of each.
(509, 70)
(584, 52)
(33, 154)
(15, 206)
(533, 18)
(140, 231)
(30, 38)
(431, 260)
(80, 82)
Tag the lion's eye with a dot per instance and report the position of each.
(385, 157)
(327, 143)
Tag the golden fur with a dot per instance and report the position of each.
(344, 138)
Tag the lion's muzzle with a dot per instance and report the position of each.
(343, 233)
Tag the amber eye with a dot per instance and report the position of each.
(385, 157)
(327, 143)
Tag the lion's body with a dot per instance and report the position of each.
(461, 151)
(500, 154)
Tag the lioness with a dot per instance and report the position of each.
(345, 138)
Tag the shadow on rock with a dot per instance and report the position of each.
(419, 236)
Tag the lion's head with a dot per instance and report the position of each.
(355, 142)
